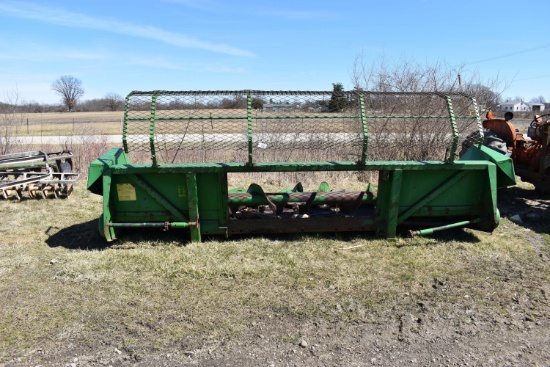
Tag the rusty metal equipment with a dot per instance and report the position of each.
(36, 173)
(530, 152)
(188, 146)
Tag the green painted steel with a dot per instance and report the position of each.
(282, 117)
(125, 125)
(505, 166)
(479, 123)
(454, 146)
(249, 126)
(406, 190)
(195, 196)
(423, 232)
(193, 207)
(365, 129)
(152, 124)
(387, 206)
(431, 195)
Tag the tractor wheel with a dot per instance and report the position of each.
(493, 141)
(65, 167)
(468, 142)
(490, 140)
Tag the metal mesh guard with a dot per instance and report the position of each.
(267, 126)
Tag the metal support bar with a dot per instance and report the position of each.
(249, 126)
(365, 132)
(165, 225)
(387, 208)
(423, 232)
(193, 203)
(152, 129)
(158, 197)
(125, 126)
(285, 117)
(108, 232)
(478, 120)
(490, 199)
(454, 128)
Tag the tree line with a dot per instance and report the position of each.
(381, 75)
(70, 91)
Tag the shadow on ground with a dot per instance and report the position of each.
(85, 236)
(82, 236)
(457, 234)
(525, 207)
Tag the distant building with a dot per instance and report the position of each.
(538, 107)
(271, 107)
(513, 106)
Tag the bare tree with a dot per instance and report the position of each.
(420, 138)
(70, 89)
(539, 99)
(114, 101)
(10, 120)
(407, 75)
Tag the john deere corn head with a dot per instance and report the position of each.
(47, 175)
(237, 162)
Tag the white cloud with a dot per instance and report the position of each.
(76, 20)
(257, 9)
(27, 51)
(162, 63)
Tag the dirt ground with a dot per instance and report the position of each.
(419, 339)
(463, 337)
(463, 334)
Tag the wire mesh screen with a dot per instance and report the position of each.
(262, 126)
(188, 126)
(418, 126)
(304, 126)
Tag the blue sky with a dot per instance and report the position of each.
(120, 46)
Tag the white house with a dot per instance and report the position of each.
(513, 106)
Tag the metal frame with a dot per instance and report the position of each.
(362, 115)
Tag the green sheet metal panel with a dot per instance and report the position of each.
(164, 197)
(212, 194)
(109, 159)
(464, 193)
(135, 197)
(505, 166)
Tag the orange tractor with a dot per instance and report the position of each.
(530, 153)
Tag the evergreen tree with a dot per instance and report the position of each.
(338, 100)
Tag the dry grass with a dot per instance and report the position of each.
(61, 284)
(56, 123)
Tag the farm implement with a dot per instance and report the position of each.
(48, 175)
(257, 162)
(530, 152)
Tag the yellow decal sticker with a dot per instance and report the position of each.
(126, 192)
